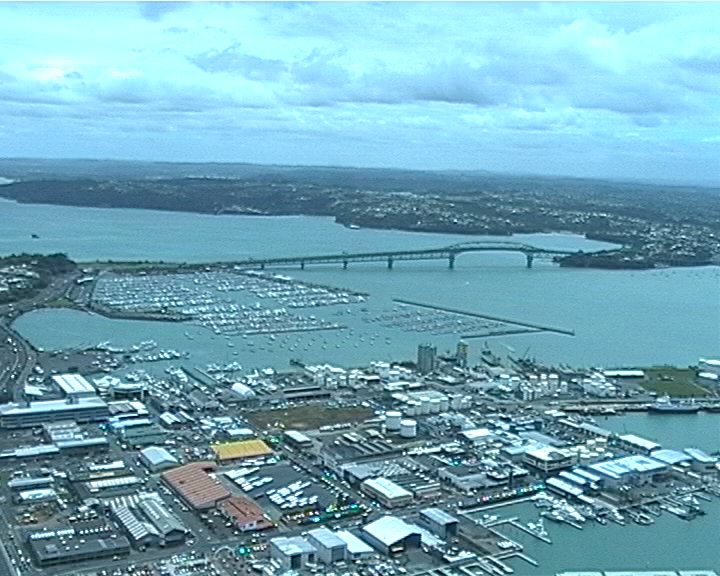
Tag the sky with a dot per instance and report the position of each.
(617, 90)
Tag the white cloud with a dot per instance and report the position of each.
(459, 85)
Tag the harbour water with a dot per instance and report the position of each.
(620, 318)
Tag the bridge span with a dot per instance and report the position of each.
(449, 253)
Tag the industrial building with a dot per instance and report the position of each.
(298, 439)
(29, 414)
(50, 548)
(356, 549)
(391, 535)
(629, 470)
(157, 458)
(386, 492)
(330, 547)
(235, 451)
(637, 444)
(73, 386)
(149, 522)
(439, 522)
(193, 484)
(292, 553)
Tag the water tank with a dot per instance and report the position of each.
(444, 404)
(392, 420)
(456, 402)
(435, 406)
(408, 428)
(424, 405)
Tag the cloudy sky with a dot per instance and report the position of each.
(616, 90)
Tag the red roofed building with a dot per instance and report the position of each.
(245, 514)
(194, 485)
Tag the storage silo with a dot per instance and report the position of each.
(408, 428)
(392, 420)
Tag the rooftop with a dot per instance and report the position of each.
(196, 487)
(390, 530)
(241, 449)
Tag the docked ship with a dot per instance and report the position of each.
(666, 406)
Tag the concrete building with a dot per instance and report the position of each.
(391, 535)
(386, 492)
(330, 547)
(74, 386)
(548, 459)
(636, 470)
(637, 444)
(50, 548)
(356, 548)
(439, 522)
(30, 414)
(297, 439)
(701, 462)
(292, 553)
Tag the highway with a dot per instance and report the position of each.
(17, 356)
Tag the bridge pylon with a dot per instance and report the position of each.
(529, 257)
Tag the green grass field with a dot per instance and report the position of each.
(677, 382)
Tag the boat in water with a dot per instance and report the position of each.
(664, 405)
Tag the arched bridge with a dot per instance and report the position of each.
(449, 253)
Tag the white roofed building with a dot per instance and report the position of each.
(387, 492)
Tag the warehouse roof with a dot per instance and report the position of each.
(72, 384)
(326, 538)
(671, 457)
(390, 530)
(387, 488)
(643, 443)
(44, 406)
(196, 487)
(355, 546)
(439, 516)
(700, 456)
(157, 456)
(241, 449)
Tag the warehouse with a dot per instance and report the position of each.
(636, 470)
(65, 546)
(439, 522)
(292, 553)
(157, 458)
(356, 549)
(386, 492)
(193, 484)
(636, 444)
(330, 548)
(391, 535)
(149, 522)
(298, 439)
(73, 386)
(701, 462)
(240, 450)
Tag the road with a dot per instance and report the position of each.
(17, 355)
